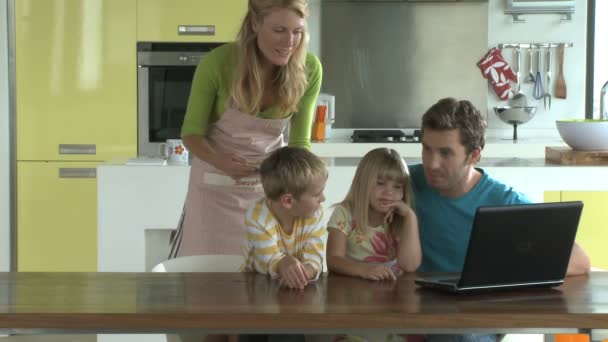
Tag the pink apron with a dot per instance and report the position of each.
(214, 212)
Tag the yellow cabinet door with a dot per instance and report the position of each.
(160, 20)
(76, 79)
(553, 196)
(592, 232)
(57, 216)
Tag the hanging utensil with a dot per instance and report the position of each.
(519, 99)
(530, 77)
(547, 95)
(538, 85)
(560, 81)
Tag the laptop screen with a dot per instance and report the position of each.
(520, 243)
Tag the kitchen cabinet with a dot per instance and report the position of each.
(592, 231)
(553, 196)
(158, 20)
(76, 79)
(57, 216)
(76, 106)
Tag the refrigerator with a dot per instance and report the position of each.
(75, 108)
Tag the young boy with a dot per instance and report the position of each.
(285, 229)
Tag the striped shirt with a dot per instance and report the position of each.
(267, 243)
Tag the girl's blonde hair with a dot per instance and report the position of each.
(290, 80)
(380, 163)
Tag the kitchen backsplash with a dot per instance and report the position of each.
(497, 28)
(395, 59)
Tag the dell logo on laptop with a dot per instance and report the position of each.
(523, 247)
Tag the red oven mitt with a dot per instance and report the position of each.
(494, 67)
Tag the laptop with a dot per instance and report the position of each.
(515, 246)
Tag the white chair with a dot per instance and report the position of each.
(201, 263)
(198, 263)
(157, 245)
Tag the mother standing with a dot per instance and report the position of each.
(243, 96)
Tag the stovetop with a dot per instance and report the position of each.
(385, 136)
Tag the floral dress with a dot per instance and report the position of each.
(375, 245)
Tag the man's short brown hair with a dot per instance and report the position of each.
(290, 170)
(449, 113)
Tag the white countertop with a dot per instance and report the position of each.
(500, 149)
(499, 143)
(492, 162)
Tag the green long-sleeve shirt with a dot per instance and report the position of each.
(211, 90)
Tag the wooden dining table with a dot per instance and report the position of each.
(249, 303)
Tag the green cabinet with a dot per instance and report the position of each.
(76, 106)
(160, 20)
(57, 217)
(76, 78)
(592, 232)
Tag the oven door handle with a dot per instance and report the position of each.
(163, 59)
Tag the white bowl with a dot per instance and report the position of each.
(584, 134)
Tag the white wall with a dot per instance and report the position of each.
(4, 145)
(543, 28)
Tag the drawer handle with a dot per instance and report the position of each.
(196, 30)
(77, 149)
(73, 172)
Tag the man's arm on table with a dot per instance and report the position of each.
(579, 261)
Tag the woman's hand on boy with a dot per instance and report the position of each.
(377, 272)
(292, 273)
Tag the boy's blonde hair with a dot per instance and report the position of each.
(380, 163)
(290, 170)
(290, 80)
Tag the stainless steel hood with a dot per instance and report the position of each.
(386, 62)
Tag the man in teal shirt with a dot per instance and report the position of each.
(448, 189)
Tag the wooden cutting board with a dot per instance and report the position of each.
(566, 156)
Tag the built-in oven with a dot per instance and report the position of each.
(164, 79)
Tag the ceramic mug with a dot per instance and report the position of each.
(173, 150)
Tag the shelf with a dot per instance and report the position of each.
(517, 8)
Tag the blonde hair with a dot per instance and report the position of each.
(380, 163)
(290, 170)
(290, 80)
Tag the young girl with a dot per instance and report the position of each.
(373, 233)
